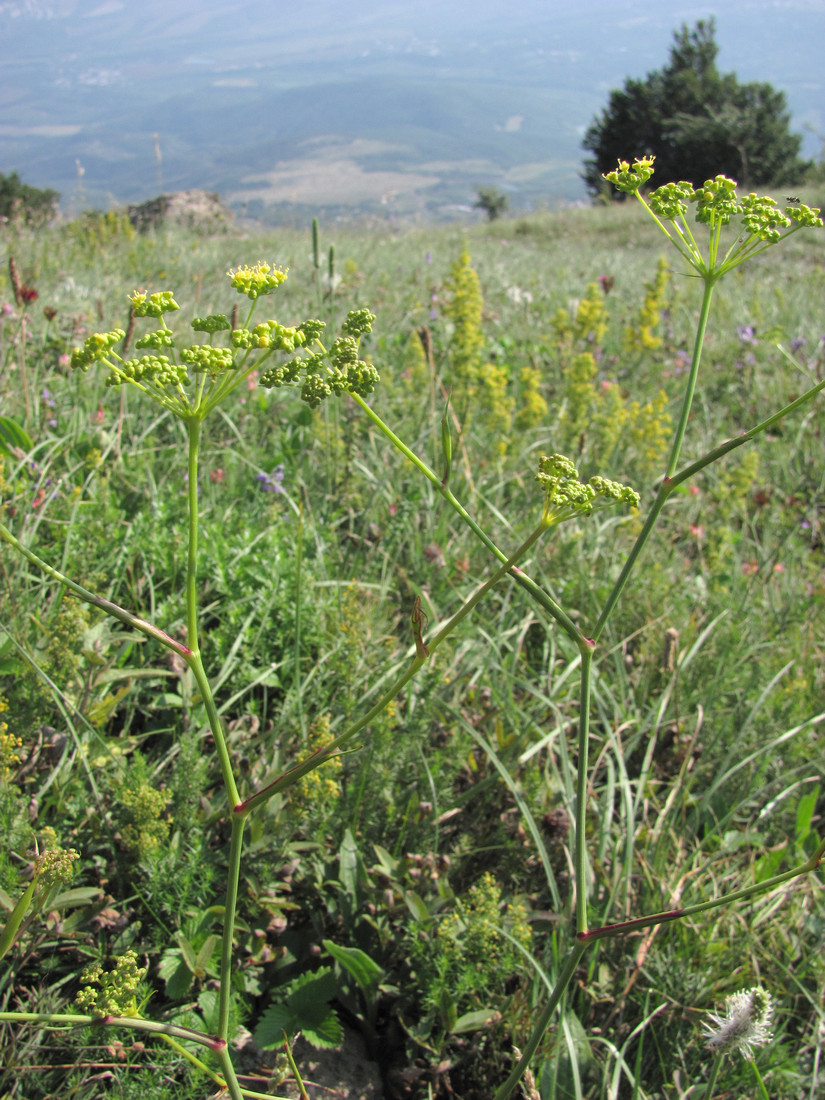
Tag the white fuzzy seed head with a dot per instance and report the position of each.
(744, 1024)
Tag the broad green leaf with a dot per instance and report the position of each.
(417, 906)
(328, 1035)
(348, 871)
(176, 974)
(187, 951)
(804, 814)
(447, 1009)
(389, 864)
(204, 958)
(14, 921)
(276, 1020)
(209, 1004)
(311, 994)
(13, 437)
(78, 896)
(474, 1021)
(367, 973)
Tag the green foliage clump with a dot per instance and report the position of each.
(33, 205)
(694, 119)
(492, 201)
(469, 958)
(640, 335)
(480, 389)
(9, 744)
(464, 309)
(138, 811)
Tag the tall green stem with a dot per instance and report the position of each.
(230, 905)
(194, 428)
(562, 982)
(582, 779)
(710, 1088)
(196, 665)
(693, 378)
(665, 487)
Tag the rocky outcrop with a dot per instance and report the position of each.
(202, 211)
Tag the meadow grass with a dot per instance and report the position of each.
(707, 699)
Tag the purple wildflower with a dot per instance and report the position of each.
(271, 483)
(747, 334)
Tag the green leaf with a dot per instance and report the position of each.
(276, 1020)
(311, 994)
(78, 896)
(367, 973)
(417, 906)
(804, 813)
(13, 437)
(768, 865)
(176, 974)
(474, 1021)
(14, 921)
(328, 1035)
(389, 864)
(187, 951)
(351, 874)
(448, 1011)
(209, 1004)
(204, 958)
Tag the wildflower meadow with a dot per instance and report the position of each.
(411, 644)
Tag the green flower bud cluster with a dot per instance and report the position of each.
(763, 218)
(630, 179)
(160, 338)
(55, 866)
(203, 358)
(116, 995)
(614, 491)
(269, 334)
(257, 280)
(149, 368)
(565, 496)
(152, 305)
(716, 201)
(671, 200)
(215, 322)
(327, 373)
(312, 329)
(95, 348)
(358, 322)
(807, 216)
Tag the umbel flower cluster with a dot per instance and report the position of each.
(111, 992)
(330, 372)
(565, 496)
(716, 203)
(191, 378)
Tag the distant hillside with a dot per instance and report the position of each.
(367, 105)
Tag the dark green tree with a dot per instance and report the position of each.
(697, 122)
(492, 201)
(19, 200)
